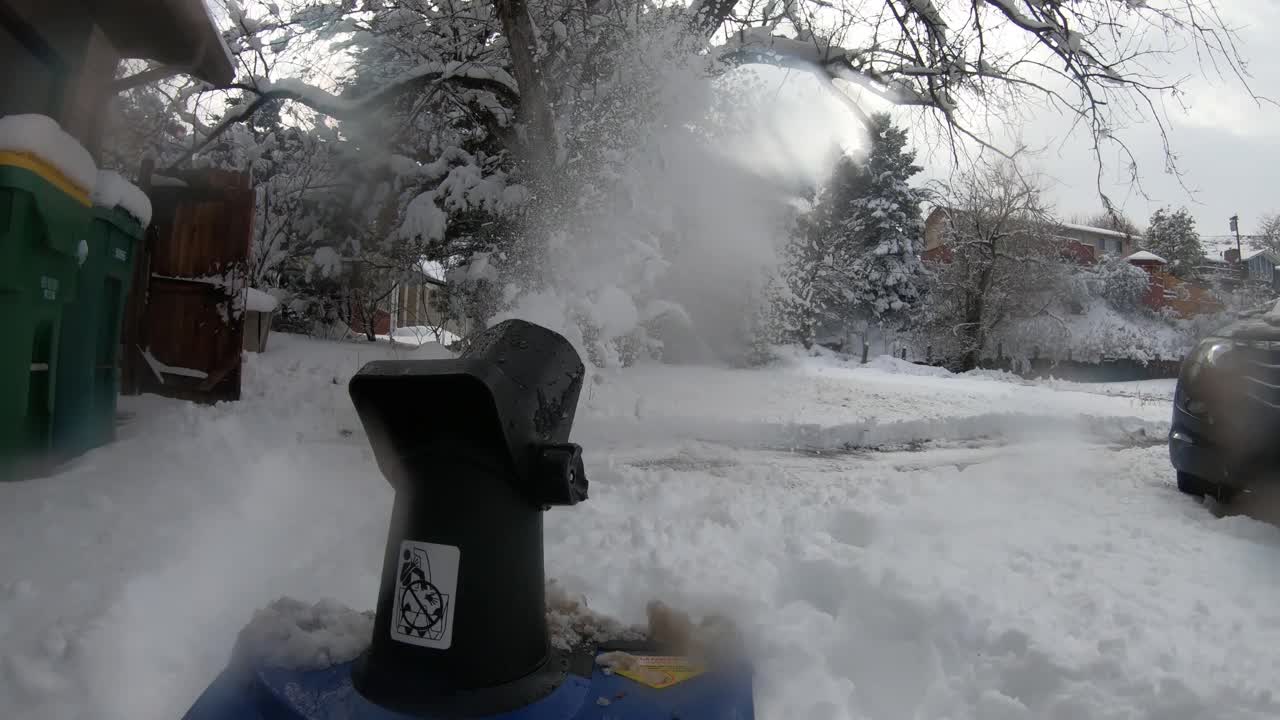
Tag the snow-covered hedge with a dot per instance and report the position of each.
(1122, 284)
(1101, 332)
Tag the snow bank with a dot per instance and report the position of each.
(111, 190)
(890, 364)
(295, 635)
(572, 624)
(43, 137)
(292, 634)
(419, 335)
(258, 301)
(825, 405)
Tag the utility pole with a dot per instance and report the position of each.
(1235, 228)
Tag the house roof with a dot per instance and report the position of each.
(1144, 256)
(1260, 251)
(1098, 231)
(180, 33)
(1087, 229)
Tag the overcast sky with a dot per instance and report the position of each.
(1227, 145)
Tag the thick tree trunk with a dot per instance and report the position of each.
(535, 109)
(974, 331)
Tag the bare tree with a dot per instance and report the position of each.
(999, 262)
(1269, 233)
(1097, 61)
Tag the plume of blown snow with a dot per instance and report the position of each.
(675, 258)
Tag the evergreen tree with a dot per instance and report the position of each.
(1172, 235)
(885, 226)
(855, 256)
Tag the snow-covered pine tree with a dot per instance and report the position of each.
(855, 256)
(1172, 235)
(884, 225)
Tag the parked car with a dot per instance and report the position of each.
(1226, 408)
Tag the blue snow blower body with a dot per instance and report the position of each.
(267, 694)
(476, 449)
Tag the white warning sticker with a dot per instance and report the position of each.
(426, 589)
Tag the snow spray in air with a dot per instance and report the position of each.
(682, 211)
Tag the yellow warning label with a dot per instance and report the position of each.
(660, 671)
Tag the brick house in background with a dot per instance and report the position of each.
(1085, 245)
(1082, 243)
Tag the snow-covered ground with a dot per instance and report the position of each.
(896, 542)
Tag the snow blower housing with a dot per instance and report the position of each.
(475, 448)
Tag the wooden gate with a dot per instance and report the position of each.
(185, 324)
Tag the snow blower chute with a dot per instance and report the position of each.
(476, 448)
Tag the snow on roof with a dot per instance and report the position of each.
(112, 190)
(1097, 230)
(259, 301)
(1143, 255)
(43, 137)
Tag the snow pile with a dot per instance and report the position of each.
(111, 190)
(292, 634)
(890, 364)
(572, 624)
(258, 301)
(42, 137)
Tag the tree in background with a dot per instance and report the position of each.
(855, 258)
(884, 224)
(1172, 235)
(1269, 233)
(1001, 263)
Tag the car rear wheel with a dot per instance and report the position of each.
(1199, 487)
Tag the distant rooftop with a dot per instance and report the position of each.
(1098, 231)
(1144, 256)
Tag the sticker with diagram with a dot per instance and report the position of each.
(426, 590)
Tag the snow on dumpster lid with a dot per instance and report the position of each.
(112, 190)
(1143, 255)
(42, 137)
(259, 301)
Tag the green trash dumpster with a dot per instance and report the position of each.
(44, 220)
(88, 378)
